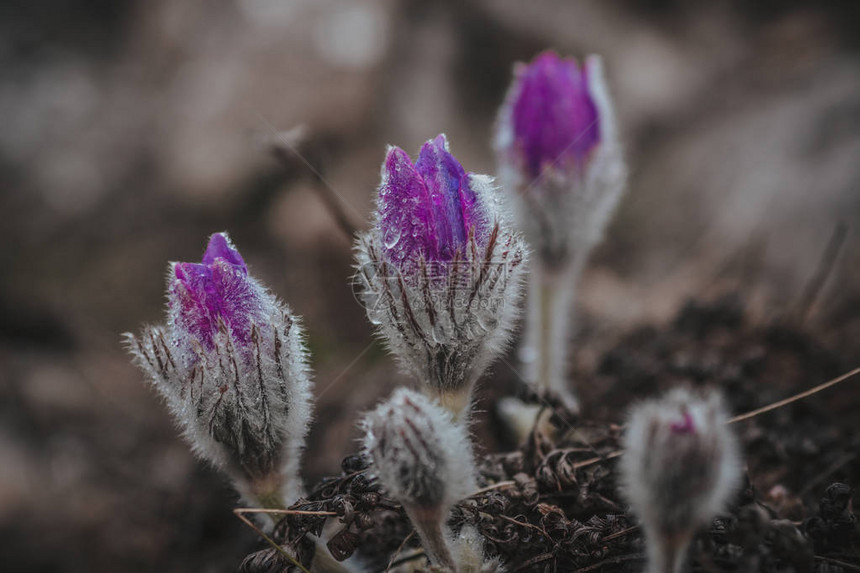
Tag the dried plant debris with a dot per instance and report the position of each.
(554, 503)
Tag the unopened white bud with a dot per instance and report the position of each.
(680, 467)
(423, 458)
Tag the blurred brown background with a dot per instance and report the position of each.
(131, 130)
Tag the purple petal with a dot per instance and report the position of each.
(203, 294)
(220, 247)
(555, 121)
(687, 426)
(426, 209)
(443, 175)
(406, 219)
(235, 299)
(189, 294)
(473, 221)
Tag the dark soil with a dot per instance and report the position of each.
(556, 506)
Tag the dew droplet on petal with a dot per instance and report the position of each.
(391, 236)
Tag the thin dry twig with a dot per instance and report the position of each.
(621, 533)
(499, 485)
(418, 554)
(529, 525)
(534, 561)
(611, 561)
(244, 510)
(740, 418)
(838, 562)
(592, 461)
(399, 549)
(239, 512)
(834, 467)
(796, 397)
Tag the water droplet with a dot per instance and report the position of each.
(374, 317)
(391, 236)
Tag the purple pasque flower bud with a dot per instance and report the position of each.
(680, 467)
(562, 173)
(232, 367)
(440, 270)
(559, 157)
(423, 459)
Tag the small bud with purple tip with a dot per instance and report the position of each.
(562, 171)
(440, 271)
(423, 459)
(232, 367)
(680, 467)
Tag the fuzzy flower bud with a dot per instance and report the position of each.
(232, 367)
(440, 270)
(680, 468)
(559, 156)
(562, 172)
(424, 460)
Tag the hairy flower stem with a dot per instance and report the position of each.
(268, 494)
(434, 540)
(548, 329)
(457, 402)
(546, 365)
(669, 555)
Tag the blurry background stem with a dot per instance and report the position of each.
(548, 328)
(285, 147)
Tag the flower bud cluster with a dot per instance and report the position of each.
(440, 273)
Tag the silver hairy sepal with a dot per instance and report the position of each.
(246, 410)
(445, 321)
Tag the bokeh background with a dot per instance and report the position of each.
(130, 130)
